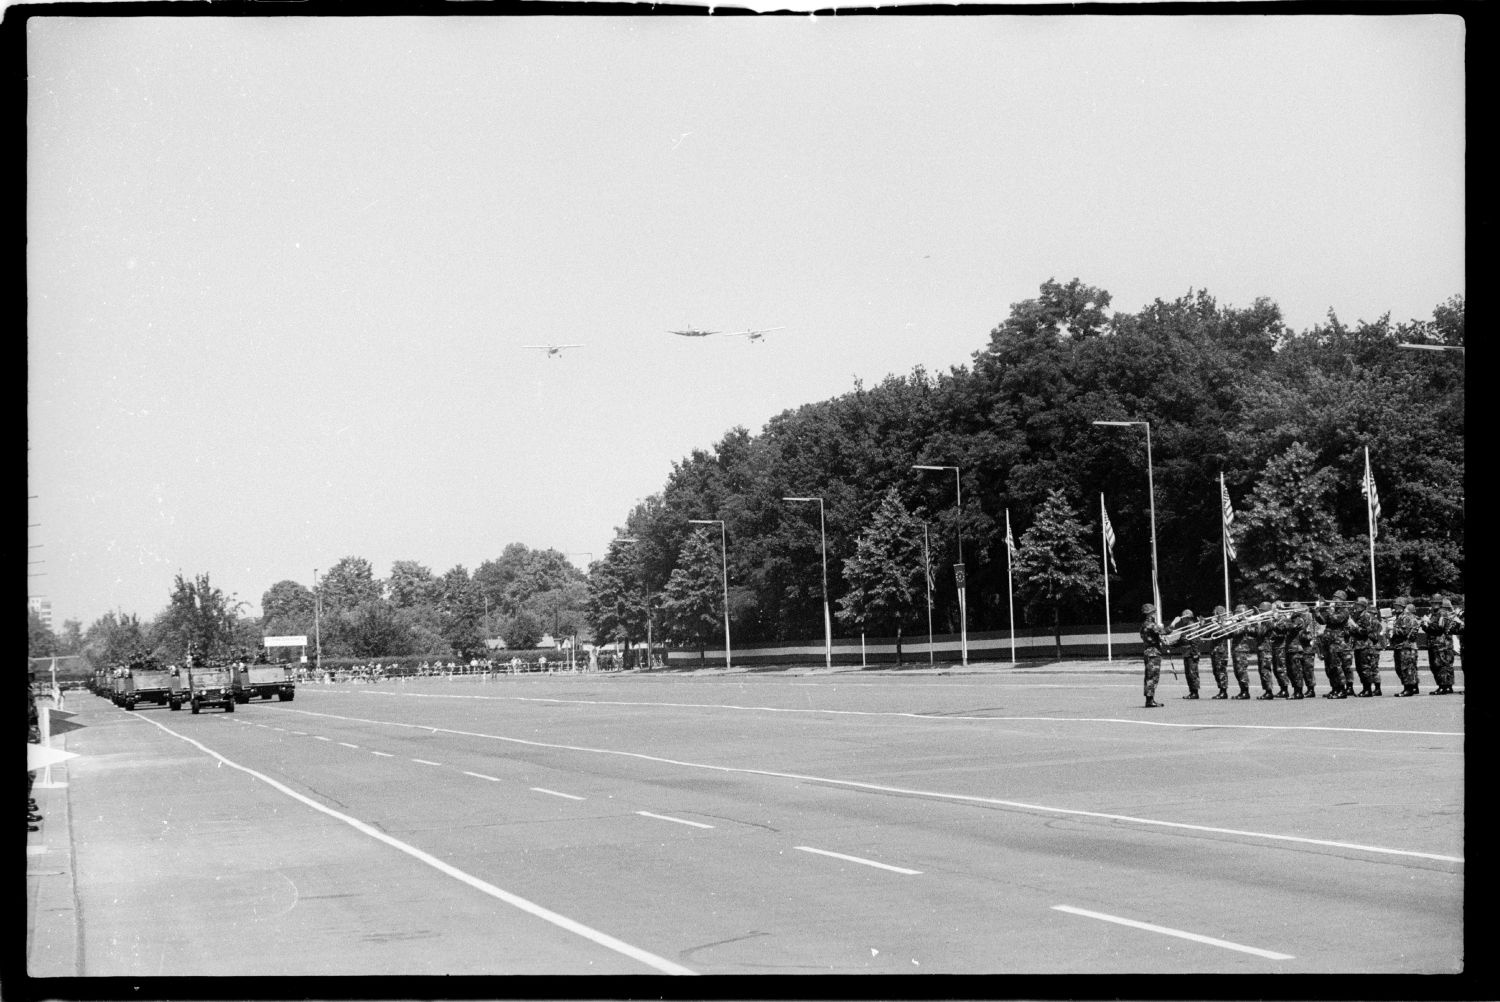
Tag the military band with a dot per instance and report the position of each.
(1286, 638)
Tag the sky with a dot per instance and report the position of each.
(281, 271)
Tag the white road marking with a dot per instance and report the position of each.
(542, 789)
(320, 737)
(383, 754)
(282, 729)
(1195, 937)
(663, 817)
(856, 859)
(1199, 725)
(484, 887)
(303, 733)
(348, 745)
(480, 775)
(426, 762)
(907, 791)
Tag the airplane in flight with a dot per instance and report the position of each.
(552, 350)
(693, 332)
(754, 335)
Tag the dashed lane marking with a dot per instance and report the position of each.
(543, 789)
(383, 754)
(910, 792)
(319, 737)
(424, 761)
(484, 887)
(348, 745)
(857, 859)
(480, 775)
(1195, 937)
(680, 821)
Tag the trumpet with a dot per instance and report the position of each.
(1218, 629)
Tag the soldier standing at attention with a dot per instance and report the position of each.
(1336, 660)
(1218, 658)
(1242, 643)
(1300, 639)
(1283, 662)
(1265, 656)
(1366, 639)
(1151, 637)
(1439, 627)
(1404, 633)
(1190, 652)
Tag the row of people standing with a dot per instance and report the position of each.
(1285, 638)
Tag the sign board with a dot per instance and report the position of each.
(286, 641)
(958, 574)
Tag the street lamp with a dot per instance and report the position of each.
(317, 623)
(963, 605)
(724, 556)
(827, 619)
(1151, 498)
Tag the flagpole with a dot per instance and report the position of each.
(1224, 548)
(1010, 591)
(1109, 651)
(1370, 512)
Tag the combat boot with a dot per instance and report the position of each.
(1364, 693)
(1297, 694)
(1244, 693)
(1150, 703)
(1282, 694)
(1377, 689)
(1223, 694)
(1266, 695)
(1191, 695)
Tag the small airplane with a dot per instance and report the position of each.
(551, 349)
(693, 332)
(754, 335)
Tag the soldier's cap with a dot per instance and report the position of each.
(1447, 603)
(1410, 607)
(1265, 607)
(1241, 608)
(1147, 609)
(1187, 613)
(1340, 596)
(1219, 610)
(1361, 601)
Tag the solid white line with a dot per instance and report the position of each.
(663, 817)
(480, 775)
(856, 859)
(425, 761)
(540, 789)
(545, 914)
(907, 715)
(383, 754)
(907, 791)
(1195, 937)
(348, 745)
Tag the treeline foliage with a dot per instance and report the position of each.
(518, 597)
(1285, 416)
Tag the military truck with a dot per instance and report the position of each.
(266, 680)
(209, 685)
(144, 681)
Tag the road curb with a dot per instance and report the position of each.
(52, 929)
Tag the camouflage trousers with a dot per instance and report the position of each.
(1153, 675)
(1218, 662)
(1440, 663)
(1270, 667)
(1367, 666)
(1406, 667)
(1284, 664)
(1190, 671)
(1303, 661)
(1242, 669)
(1339, 668)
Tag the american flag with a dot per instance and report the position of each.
(1367, 486)
(1010, 541)
(1228, 518)
(1109, 537)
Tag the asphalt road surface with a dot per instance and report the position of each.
(768, 823)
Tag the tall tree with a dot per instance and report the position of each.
(198, 615)
(411, 584)
(39, 640)
(286, 609)
(1055, 567)
(885, 576)
(113, 638)
(693, 601)
(348, 584)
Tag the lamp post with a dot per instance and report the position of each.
(1151, 499)
(963, 605)
(827, 618)
(317, 623)
(724, 556)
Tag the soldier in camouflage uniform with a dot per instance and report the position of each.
(1368, 641)
(1151, 637)
(1190, 652)
(1440, 625)
(1282, 661)
(1301, 638)
(1218, 657)
(1241, 644)
(1265, 656)
(1404, 633)
(1337, 663)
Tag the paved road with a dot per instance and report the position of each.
(731, 823)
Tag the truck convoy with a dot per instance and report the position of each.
(263, 679)
(143, 680)
(208, 684)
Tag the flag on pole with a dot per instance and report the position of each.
(1010, 541)
(1228, 517)
(1367, 486)
(1109, 537)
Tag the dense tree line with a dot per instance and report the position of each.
(1284, 416)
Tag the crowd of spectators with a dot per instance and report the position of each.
(377, 671)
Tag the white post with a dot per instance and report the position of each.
(1224, 548)
(1010, 589)
(927, 587)
(1109, 650)
(1370, 511)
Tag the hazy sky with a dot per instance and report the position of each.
(280, 270)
